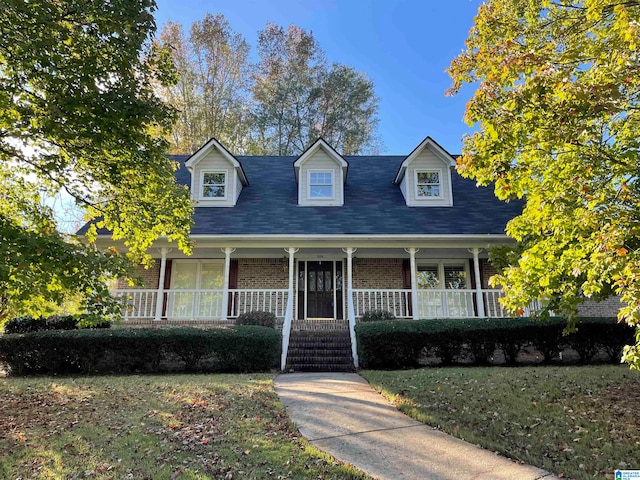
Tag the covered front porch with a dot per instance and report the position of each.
(315, 285)
(322, 285)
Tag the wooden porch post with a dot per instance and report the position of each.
(160, 294)
(476, 273)
(225, 286)
(414, 282)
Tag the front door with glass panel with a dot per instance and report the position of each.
(320, 289)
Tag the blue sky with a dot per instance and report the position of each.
(404, 46)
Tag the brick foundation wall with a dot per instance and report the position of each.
(149, 276)
(263, 273)
(377, 273)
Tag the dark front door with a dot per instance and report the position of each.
(319, 289)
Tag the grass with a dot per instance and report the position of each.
(154, 427)
(578, 422)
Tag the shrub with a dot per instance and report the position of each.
(400, 344)
(594, 335)
(478, 338)
(391, 344)
(547, 338)
(511, 337)
(377, 316)
(24, 325)
(236, 349)
(614, 337)
(257, 317)
(54, 322)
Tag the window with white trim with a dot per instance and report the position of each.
(428, 184)
(321, 185)
(442, 275)
(214, 185)
(444, 289)
(196, 289)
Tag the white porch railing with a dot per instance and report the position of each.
(451, 303)
(208, 305)
(398, 302)
(267, 300)
(492, 305)
(495, 310)
(137, 303)
(194, 304)
(201, 304)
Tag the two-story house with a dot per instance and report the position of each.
(321, 238)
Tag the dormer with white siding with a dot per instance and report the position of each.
(321, 173)
(424, 177)
(217, 177)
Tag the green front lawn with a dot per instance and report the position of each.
(154, 427)
(581, 422)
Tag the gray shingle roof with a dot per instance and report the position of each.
(373, 205)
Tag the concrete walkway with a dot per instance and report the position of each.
(342, 415)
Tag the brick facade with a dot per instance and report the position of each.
(377, 273)
(149, 276)
(487, 271)
(263, 273)
(606, 308)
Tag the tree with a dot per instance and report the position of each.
(279, 106)
(558, 115)
(212, 93)
(347, 111)
(78, 112)
(299, 98)
(286, 88)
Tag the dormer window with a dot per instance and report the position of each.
(428, 184)
(321, 185)
(424, 177)
(321, 174)
(214, 185)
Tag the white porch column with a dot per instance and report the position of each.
(414, 281)
(288, 316)
(292, 267)
(476, 273)
(225, 286)
(350, 309)
(160, 294)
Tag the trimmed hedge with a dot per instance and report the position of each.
(54, 322)
(257, 317)
(377, 316)
(234, 349)
(402, 344)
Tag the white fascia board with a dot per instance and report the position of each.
(344, 240)
(333, 241)
(428, 142)
(363, 242)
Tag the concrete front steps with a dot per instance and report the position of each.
(319, 351)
